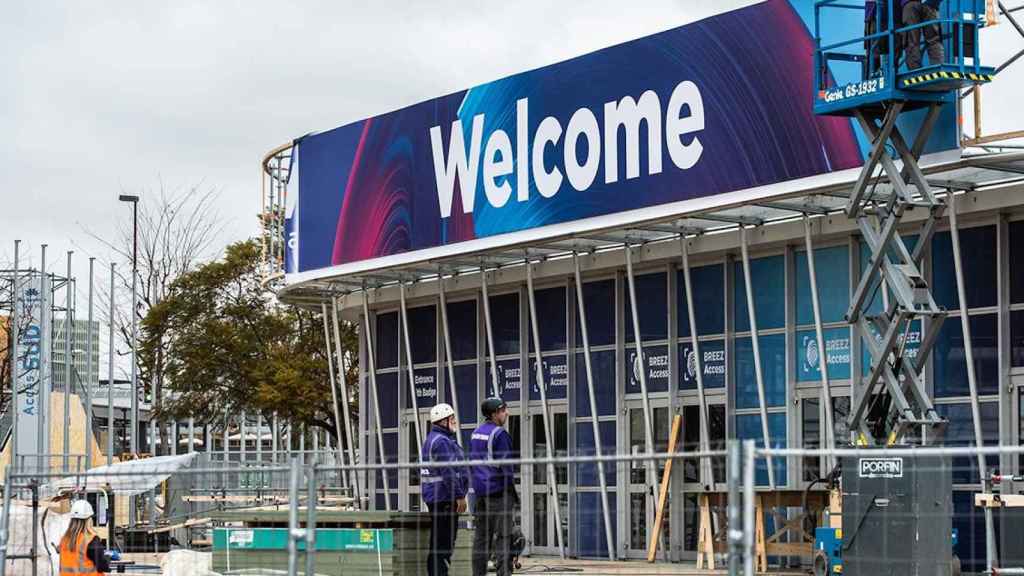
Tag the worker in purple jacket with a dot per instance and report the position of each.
(444, 488)
(495, 490)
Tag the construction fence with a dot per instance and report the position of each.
(875, 510)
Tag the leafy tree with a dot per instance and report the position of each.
(223, 343)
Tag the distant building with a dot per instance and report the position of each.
(79, 343)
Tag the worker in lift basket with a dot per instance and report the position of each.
(917, 12)
(81, 550)
(444, 489)
(495, 489)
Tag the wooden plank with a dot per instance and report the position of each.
(835, 509)
(185, 524)
(999, 500)
(652, 549)
(760, 555)
(805, 549)
(993, 138)
(705, 535)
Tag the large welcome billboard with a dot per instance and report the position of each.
(717, 106)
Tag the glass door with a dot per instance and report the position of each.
(543, 520)
(694, 480)
(812, 428)
(641, 499)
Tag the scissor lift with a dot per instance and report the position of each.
(865, 76)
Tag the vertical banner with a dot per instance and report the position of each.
(28, 366)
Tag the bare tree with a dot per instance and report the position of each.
(177, 231)
(6, 304)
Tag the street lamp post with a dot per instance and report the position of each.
(89, 383)
(134, 200)
(110, 373)
(69, 333)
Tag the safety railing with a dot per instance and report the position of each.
(302, 520)
(879, 51)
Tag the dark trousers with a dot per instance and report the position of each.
(493, 517)
(916, 12)
(444, 527)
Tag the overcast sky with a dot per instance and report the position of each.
(104, 97)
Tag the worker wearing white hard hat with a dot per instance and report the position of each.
(81, 550)
(444, 488)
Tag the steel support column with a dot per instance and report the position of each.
(259, 438)
(756, 347)
(110, 373)
(372, 361)
(46, 368)
(5, 517)
(582, 311)
(442, 304)
(330, 368)
(826, 390)
(652, 472)
(294, 533)
(243, 429)
(705, 464)
(69, 332)
(408, 365)
(749, 465)
(350, 436)
(490, 332)
(224, 448)
(89, 343)
(275, 438)
(288, 448)
(734, 534)
(310, 532)
(972, 380)
(541, 384)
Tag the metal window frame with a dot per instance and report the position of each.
(546, 416)
(592, 398)
(652, 471)
(755, 346)
(706, 474)
(372, 361)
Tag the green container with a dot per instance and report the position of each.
(349, 543)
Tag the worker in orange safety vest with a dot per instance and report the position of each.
(81, 550)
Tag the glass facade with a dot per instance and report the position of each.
(791, 364)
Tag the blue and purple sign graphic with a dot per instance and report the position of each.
(720, 105)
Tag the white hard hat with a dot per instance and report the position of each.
(81, 510)
(440, 412)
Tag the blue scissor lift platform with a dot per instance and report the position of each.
(855, 66)
(861, 72)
